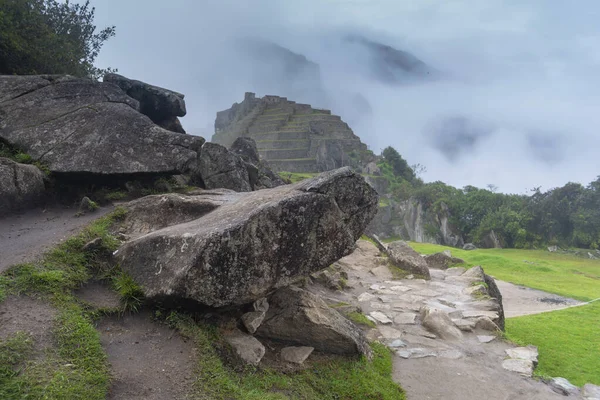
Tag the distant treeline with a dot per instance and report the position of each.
(49, 37)
(567, 216)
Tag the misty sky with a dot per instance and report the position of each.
(522, 80)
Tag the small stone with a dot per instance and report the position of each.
(261, 305)
(475, 273)
(296, 355)
(523, 367)
(380, 317)
(590, 392)
(87, 205)
(485, 338)
(464, 325)
(429, 335)
(252, 320)
(440, 323)
(486, 324)
(447, 253)
(405, 319)
(529, 353)
(246, 347)
(401, 289)
(403, 353)
(563, 386)
(379, 306)
(376, 287)
(397, 343)
(365, 297)
(389, 333)
(415, 353)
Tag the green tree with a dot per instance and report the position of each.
(398, 164)
(50, 37)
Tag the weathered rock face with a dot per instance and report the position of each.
(290, 136)
(219, 168)
(299, 317)
(404, 257)
(81, 126)
(21, 186)
(259, 172)
(254, 242)
(151, 213)
(491, 241)
(163, 106)
(410, 220)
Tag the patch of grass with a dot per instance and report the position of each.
(562, 274)
(13, 353)
(76, 366)
(339, 305)
(567, 340)
(130, 292)
(361, 319)
(116, 195)
(335, 378)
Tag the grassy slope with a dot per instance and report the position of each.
(77, 367)
(562, 274)
(568, 340)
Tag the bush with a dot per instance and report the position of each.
(50, 37)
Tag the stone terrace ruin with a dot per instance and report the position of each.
(290, 136)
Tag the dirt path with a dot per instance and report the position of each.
(24, 237)
(427, 366)
(521, 300)
(148, 360)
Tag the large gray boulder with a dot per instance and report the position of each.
(219, 168)
(404, 257)
(21, 186)
(260, 174)
(81, 126)
(254, 242)
(163, 106)
(298, 317)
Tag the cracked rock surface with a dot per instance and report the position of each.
(76, 125)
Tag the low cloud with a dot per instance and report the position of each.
(513, 103)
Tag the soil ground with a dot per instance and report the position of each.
(25, 236)
(148, 360)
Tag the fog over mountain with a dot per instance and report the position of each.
(495, 92)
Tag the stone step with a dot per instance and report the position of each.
(284, 154)
(297, 165)
(266, 126)
(283, 144)
(280, 135)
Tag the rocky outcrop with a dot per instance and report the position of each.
(254, 242)
(260, 174)
(79, 126)
(490, 241)
(404, 257)
(411, 220)
(290, 136)
(163, 106)
(219, 168)
(442, 261)
(21, 186)
(293, 310)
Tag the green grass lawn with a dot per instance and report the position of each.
(562, 274)
(568, 340)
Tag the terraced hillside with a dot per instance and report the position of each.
(290, 136)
